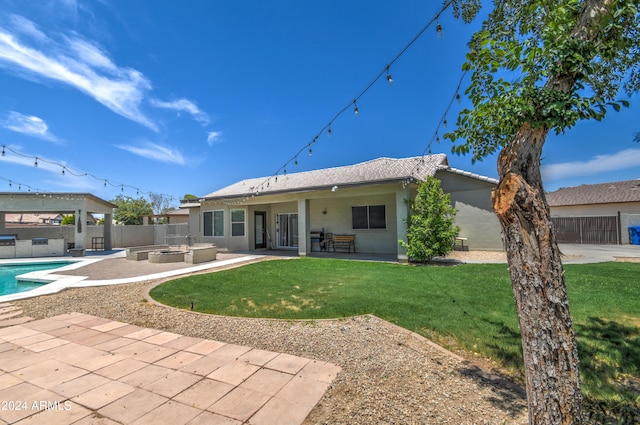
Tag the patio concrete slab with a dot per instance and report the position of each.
(80, 369)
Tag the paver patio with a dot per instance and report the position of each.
(81, 369)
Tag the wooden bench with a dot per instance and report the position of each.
(461, 246)
(343, 241)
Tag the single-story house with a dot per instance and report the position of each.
(596, 213)
(175, 216)
(367, 200)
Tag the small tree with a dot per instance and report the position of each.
(68, 220)
(130, 210)
(430, 227)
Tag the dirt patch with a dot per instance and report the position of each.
(628, 259)
(477, 256)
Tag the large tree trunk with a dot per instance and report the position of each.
(548, 342)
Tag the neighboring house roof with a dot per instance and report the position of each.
(43, 218)
(376, 171)
(603, 193)
(177, 212)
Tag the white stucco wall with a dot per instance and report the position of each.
(475, 217)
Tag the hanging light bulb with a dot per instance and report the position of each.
(122, 188)
(2, 150)
(296, 162)
(458, 98)
(389, 79)
(310, 150)
(284, 171)
(355, 108)
(105, 183)
(329, 131)
(10, 185)
(444, 122)
(437, 138)
(63, 171)
(36, 163)
(439, 30)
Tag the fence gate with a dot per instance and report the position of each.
(587, 230)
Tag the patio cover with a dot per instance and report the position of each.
(65, 203)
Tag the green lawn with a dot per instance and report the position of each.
(471, 306)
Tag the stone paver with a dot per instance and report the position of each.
(81, 369)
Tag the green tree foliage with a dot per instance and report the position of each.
(546, 64)
(430, 227)
(130, 210)
(68, 220)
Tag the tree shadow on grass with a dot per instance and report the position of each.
(610, 370)
(609, 367)
(505, 348)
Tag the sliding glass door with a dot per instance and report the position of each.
(287, 230)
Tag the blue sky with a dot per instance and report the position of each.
(179, 97)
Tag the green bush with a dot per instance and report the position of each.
(430, 227)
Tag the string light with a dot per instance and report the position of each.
(384, 71)
(443, 122)
(65, 170)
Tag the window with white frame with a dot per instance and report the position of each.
(213, 223)
(237, 222)
(369, 217)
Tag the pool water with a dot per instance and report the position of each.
(8, 273)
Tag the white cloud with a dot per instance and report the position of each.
(213, 137)
(628, 158)
(77, 63)
(155, 152)
(28, 124)
(183, 105)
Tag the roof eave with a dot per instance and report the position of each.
(309, 189)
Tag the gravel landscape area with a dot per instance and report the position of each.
(388, 374)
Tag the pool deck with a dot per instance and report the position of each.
(112, 268)
(81, 369)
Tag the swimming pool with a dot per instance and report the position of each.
(8, 272)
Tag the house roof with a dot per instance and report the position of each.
(603, 193)
(376, 171)
(30, 218)
(473, 175)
